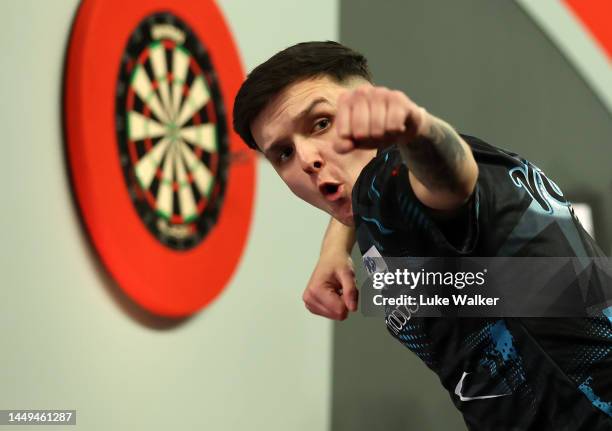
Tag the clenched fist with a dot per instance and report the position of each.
(331, 290)
(371, 117)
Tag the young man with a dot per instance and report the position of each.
(411, 186)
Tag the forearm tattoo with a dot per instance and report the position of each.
(436, 159)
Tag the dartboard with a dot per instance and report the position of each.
(172, 131)
(164, 187)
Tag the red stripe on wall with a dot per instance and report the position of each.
(595, 16)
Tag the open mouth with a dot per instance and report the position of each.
(331, 191)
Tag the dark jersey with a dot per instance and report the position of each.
(506, 373)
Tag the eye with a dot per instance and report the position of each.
(321, 124)
(284, 154)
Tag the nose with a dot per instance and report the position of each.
(309, 156)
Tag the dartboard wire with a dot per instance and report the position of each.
(197, 97)
(180, 65)
(147, 166)
(199, 176)
(165, 194)
(143, 58)
(191, 178)
(202, 176)
(202, 135)
(159, 65)
(187, 204)
(141, 127)
(143, 87)
(176, 107)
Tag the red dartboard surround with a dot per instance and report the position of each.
(148, 97)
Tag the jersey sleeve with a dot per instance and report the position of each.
(394, 217)
(457, 235)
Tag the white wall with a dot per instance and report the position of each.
(254, 359)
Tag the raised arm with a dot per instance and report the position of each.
(338, 238)
(331, 290)
(442, 169)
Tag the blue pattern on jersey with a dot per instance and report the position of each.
(373, 189)
(608, 313)
(587, 354)
(503, 341)
(409, 334)
(495, 346)
(409, 210)
(381, 228)
(602, 405)
(412, 213)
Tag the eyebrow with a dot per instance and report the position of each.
(305, 113)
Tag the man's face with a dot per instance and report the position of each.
(296, 133)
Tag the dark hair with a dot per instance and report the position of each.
(302, 61)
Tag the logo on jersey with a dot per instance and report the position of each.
(536, 183)
(460, 390)
(373, 261)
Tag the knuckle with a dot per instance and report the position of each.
(360, 100)
(398, 115)
(399, 96)
(377, 133)
(395, 128)
(341, 315)
(361, 95)
(381, 92)
(350, 95)
(349, 274)
(359, 134)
